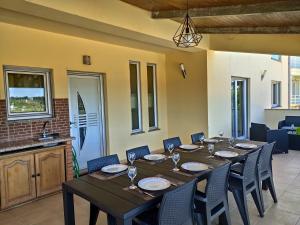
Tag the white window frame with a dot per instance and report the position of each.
(140, 128)
(155, 127)
(48, 95)
(277, 84)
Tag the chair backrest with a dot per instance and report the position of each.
(250, 167)
(97, 164)
(175, 141)
(177, 205)
(217, 185)
(196, 137)
(258, 132)
(289, 120)
(265, 158)
(140, 152)
(281, 137)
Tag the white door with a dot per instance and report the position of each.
(86, 116)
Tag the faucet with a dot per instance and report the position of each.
(44, 129)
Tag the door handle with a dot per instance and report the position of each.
(72, 123)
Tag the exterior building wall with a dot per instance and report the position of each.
(222, 66)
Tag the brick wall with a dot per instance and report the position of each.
(20, 130)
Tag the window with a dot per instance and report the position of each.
(276, 58)
(28, 93)
(276, 94)
(152, 96)
(135, 92)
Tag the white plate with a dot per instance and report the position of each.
(226, 154)
(212, 141)
(154, 157)
(194, 166)
(246, 146)
(154, 184)
(115, 168)
(189, 147)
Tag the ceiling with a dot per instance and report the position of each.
(229, 16)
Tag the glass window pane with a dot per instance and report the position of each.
(26, 93)
(135, 96)
(152, 97)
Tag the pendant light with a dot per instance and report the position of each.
(186, 35)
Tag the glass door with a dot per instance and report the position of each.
(239, 107)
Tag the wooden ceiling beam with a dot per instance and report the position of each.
(248, 9)
(249, 30)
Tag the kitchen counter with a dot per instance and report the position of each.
(13, 146)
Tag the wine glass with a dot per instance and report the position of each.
(131, 157)
(211, 148)
(176, 158)
(132, 172)
(170, 149)
(231, 142)
(202, 138)
(221, 133)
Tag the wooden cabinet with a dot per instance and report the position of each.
(28, 175)
(50, 171)
(17, 180)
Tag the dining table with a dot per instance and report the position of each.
(110, 193)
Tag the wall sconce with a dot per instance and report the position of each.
(86, 60)
(184, 74)
(263, 74)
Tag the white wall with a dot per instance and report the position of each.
(222, 66)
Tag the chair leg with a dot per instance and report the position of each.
(271, 186)
(200, 219)
(94, 212)
(257, 200)
(241, 201)
(260, 188)
(225, 217)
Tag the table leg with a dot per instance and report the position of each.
(124, 222)
(94, 212)
(68, 206)
(111, 220)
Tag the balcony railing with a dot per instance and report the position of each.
(295, 62)
(295, 100)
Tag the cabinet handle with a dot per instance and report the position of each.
(38, 174)
(33, 175)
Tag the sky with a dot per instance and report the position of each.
(29, 92)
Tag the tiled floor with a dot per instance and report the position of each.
(49, 211)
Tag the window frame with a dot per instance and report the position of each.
(278, 88)
(139, 95)
(155, 106)
(47, 74)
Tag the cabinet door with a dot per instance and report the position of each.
(17, 180)
(50, 171)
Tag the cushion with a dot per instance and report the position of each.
(289, 120)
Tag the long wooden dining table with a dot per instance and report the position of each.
(112, 195)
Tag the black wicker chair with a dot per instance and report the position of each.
(265, 174)
(175, 141)
(176, 208)
(197, 137)
(214, 202)
(97, 164)
(140, 152)
(93, 166)
(243, 181)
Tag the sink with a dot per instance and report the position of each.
(48, 137)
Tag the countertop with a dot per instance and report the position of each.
(12, 146)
